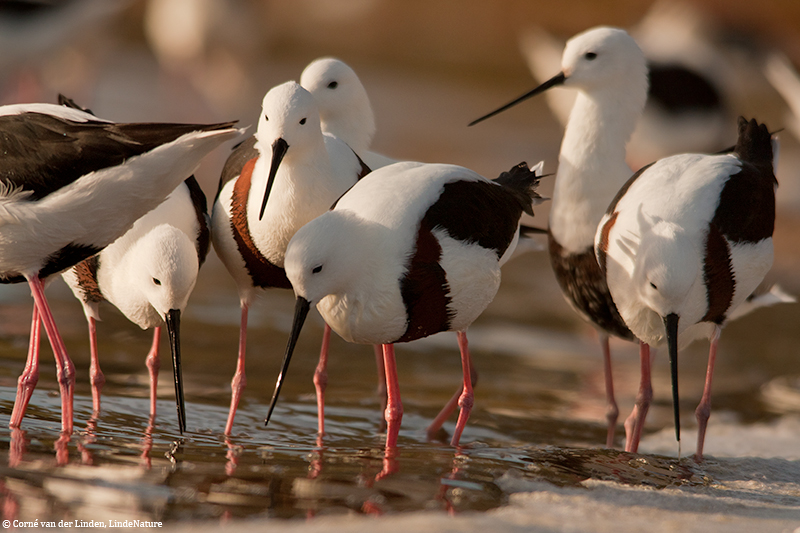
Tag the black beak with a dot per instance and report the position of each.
(173, 320)
(300, 312)
(671, 325)
(558, 79)
(279, 148)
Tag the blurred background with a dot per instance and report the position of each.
(429, 67)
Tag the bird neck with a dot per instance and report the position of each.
(592, 165)
(356, 127)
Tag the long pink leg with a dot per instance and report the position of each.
(30, 374)
(96, 376)
(239, 381)
(153, 363)
(612, 411)
(394, 406)
(703, 410)
(635, 422)
(381, 390)
(466, 400)
(452, 403)
(321, 379)
(65, 370)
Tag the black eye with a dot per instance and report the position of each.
(157, 281)
(590, 56)
(316, 269)
(333, 85)
(266, 118)
(302, 121)
(653, 285)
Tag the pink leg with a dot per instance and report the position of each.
(466, 400)
(147, 444)
(390, 466)
(65, 370)
(612, 411)
(153, 363)
(635, 422)
(17, 448)
(30, 374)
(60, 446)
(703, 410)
(239, 381)
(321, 379)
(394, 406)
(381, 391)
(451, 404)
(96, 376)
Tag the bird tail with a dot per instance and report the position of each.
(754, 144)
(522, 182)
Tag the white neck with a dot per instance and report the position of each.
(591, 165)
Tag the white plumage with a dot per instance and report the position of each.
(344, 107)
(411, 250)
(294, 174)
(148, 274)
(73, 184)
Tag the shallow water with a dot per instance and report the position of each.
(539, 403)
(538, 415)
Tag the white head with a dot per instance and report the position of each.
(605, 58)
(288, 112)
(318, 261)
(605, 64)
(344, 107)
(166, 268)
(288, 127)
(667, 268)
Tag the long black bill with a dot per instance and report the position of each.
(300, 311)
(279, 148)
(173, 320)
(552, 82)
(671, 324)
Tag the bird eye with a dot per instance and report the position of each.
(317, 269)
(590, 56)
(653, 285)
(333, 85)
(157, 281)
(302, 121)
(266, 118)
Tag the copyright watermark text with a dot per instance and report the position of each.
(65, 524)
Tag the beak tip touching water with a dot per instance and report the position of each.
(301, 309)
(671, 326)
(173, 320)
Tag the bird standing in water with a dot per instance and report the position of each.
(684, 244)
(411, 250)
(72, 184)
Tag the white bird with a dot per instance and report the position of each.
(685, 242)
(411, 250)
(286, 175)
(344, 107)
(148, 274)
(345, 112)
(609, 73)
(691, 84)
(609, 69)
(72, 184)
